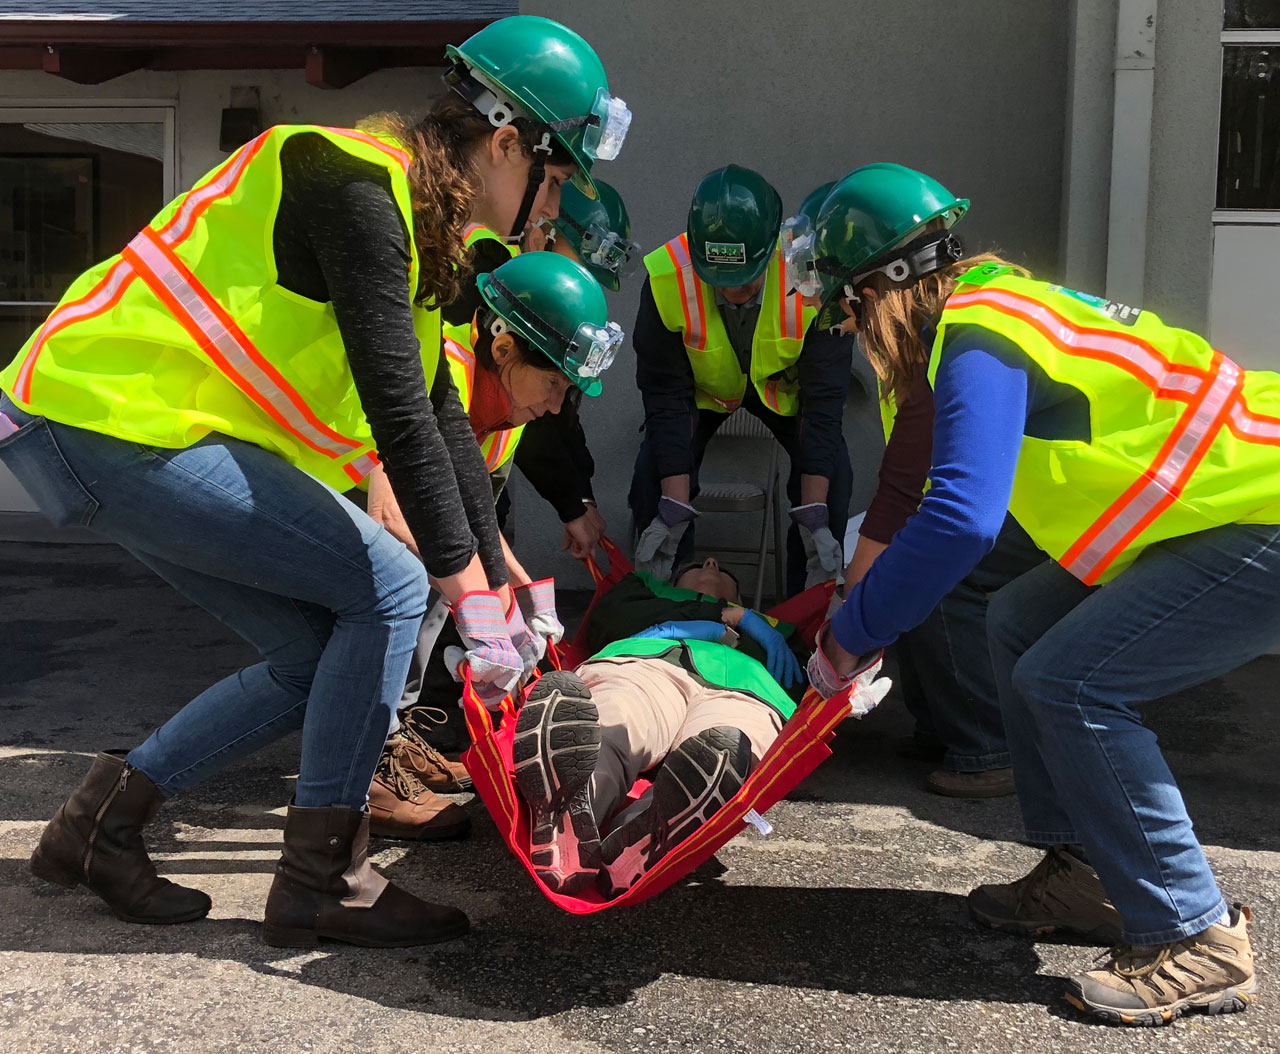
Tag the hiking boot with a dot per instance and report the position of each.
(693, 782)
(435, 771)
(1151, 985)
(95, 840)
(555, 750)
(401, 806)
(1061, 894)
(325, 887)
(993, 783)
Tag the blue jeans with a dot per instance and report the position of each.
(646, 486)
(945, 666)
(330, 600)
(1071, 664)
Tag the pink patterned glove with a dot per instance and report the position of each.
(868, 689)
(496, 664)
(537, 603)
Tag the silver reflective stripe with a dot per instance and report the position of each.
(119, 275)
(1162, 477)
(1255, 427)
(180, 226)
(238, 357)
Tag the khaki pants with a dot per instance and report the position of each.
(648, 707)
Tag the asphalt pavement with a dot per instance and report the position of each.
(844, 930)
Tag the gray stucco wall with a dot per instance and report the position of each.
(1184, 153)
(803, 93)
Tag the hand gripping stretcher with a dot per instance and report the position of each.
(799, 749)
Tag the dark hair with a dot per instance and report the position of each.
(694, 565)
(444, 183)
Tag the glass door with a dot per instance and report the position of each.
(75, 186)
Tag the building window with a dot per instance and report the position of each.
(1251, 14)
(1249, 133)
(72, 193)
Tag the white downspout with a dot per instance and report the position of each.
(1135, 71)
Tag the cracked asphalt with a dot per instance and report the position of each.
(846, 929)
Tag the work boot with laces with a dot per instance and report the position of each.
(437, 771)
(1060, 895)
(402, 806)
(1151, 985)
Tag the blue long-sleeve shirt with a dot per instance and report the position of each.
(988, 395)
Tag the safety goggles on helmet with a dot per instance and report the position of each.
(588, 353)
(799, 254)
(606, 127)
(603, 248)
(918, 258)
(593, 348)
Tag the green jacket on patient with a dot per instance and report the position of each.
(640, 601)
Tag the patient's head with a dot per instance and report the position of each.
(708, 577)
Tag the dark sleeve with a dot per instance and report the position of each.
(486, 255)
(630, 607)
(554, 458)
(905, 466)
(470, 473)
(665, 379)
(824, 368)
(981, 411)
(342, 215)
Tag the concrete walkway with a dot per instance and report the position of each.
(845, 930)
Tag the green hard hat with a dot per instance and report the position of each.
(813, 201)
(869, 213)
(733, 226)
(545, 71)
(555, 305)
(600, 233)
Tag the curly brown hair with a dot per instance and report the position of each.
(444, 184)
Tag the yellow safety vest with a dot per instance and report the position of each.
(1182, 439)
(687, 305)
(187, 332)
(459, 351)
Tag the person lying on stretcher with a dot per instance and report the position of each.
(683, 685)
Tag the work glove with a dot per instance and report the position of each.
(656, 549)
(825, 560)
(537, 603)
(867, 689)
(495, 661)
(783, 666)
(692, 629)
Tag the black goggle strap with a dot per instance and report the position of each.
(917, 259)
(548, 331)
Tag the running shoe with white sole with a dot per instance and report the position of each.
(555, 750)
(693, 782)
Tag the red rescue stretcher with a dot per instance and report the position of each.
(799, 749)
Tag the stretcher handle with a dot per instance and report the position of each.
(598, 574)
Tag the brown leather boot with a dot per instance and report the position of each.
(325, 887)
(95, 839)
(443, 771)
(400, 806)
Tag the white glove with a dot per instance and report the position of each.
(825, 558)
(656, 549)
(867, 689)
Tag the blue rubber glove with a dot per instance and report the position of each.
(694, 629)
(783, 666)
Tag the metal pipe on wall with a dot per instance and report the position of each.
(1135, 73)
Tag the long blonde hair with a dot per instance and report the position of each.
(891, 325)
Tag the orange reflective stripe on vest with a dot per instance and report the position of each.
(99, 300)
(1213, 397)
(695, 310)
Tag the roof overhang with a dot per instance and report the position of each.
(333, 54)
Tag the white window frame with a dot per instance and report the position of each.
(1250, 217)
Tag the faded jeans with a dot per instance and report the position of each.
(1071, 665)
(330, 600)
(945, 666)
